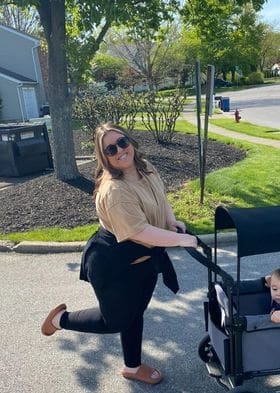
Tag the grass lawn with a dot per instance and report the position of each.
(181, 126)
(247, 128)
(53, 234)
(253, 182)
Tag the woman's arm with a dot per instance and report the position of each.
(154, 236)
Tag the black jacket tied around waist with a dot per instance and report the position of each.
(103, 245)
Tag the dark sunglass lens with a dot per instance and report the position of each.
(123, 142)
(111, 150)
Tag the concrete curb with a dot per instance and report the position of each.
(6, 246)
(28, 247)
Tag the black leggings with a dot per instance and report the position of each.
(121, 307)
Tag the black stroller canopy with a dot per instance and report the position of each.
(258, 229)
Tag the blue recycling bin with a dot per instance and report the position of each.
(225, 104)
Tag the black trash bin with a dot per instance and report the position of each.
(24, 149)
(225, 104)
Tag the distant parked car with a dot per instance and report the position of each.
(221, 83)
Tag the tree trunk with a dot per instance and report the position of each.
(52, 14)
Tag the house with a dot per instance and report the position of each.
(21, 84)
(276, 69)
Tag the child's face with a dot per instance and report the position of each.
(275, 289)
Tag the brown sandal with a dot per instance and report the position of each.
(48, 329)
(144, 374)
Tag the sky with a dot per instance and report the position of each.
(271, 12)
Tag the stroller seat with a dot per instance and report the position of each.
(241, 341)
(260, 338)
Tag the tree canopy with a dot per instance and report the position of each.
(228, 31)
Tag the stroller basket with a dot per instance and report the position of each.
(241, 338)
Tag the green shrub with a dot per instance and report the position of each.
(159, 114)
(92, 108)
(256, 78)
(242, 81)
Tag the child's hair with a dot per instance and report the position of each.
(276, 273)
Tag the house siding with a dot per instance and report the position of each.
(21, 60)
(19, 54)
(10, 101)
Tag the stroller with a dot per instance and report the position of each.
(242, 342)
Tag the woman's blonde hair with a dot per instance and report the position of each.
(103, 166)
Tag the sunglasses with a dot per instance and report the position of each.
(111, 150)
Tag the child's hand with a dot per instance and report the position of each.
(267, 281)
(275, 316)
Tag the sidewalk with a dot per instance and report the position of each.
(189, 115)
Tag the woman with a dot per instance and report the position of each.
(122, 260)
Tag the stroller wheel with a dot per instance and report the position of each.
(206, 351)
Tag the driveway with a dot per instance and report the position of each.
(258, 105)
(70, 362)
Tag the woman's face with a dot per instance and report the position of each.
(123, 158)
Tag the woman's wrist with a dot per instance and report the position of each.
(188, 241)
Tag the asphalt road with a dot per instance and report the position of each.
(258, 105)
(74, 362)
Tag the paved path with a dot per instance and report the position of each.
(190, 116)
(74, 362)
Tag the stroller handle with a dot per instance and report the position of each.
(206, 258)
(205, 248)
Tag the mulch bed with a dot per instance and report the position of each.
(44, 201)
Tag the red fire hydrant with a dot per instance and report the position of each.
(237, 116)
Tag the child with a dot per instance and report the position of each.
(273, 282)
